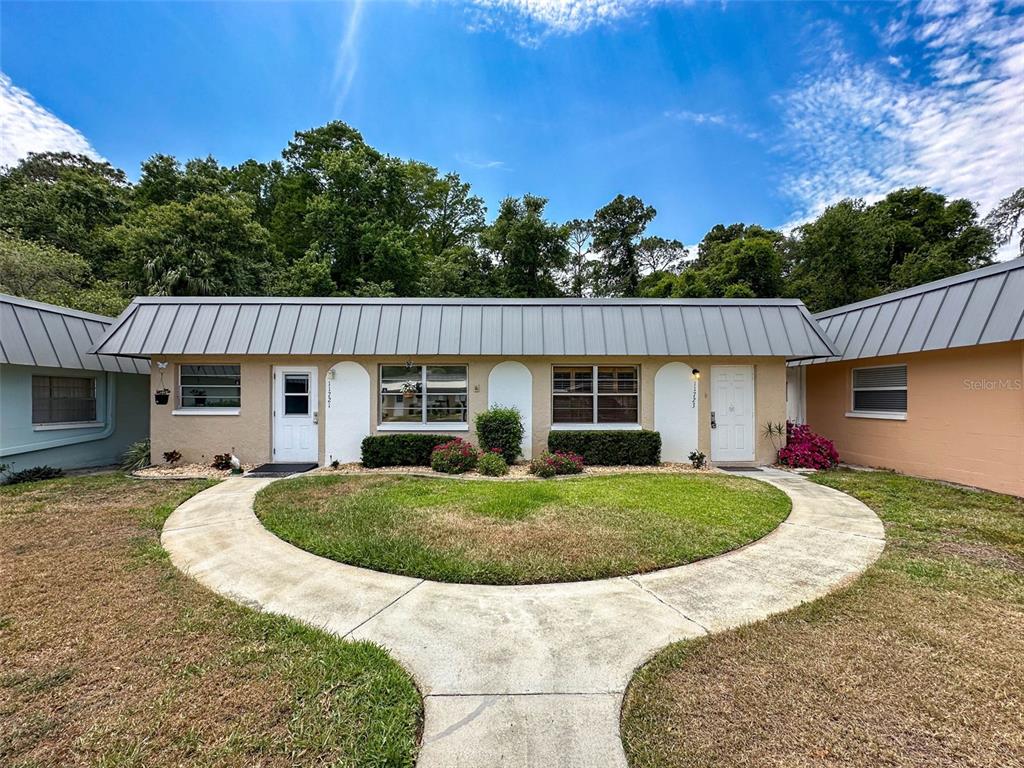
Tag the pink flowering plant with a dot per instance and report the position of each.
(454, 457)
(807, 449)
(559, 463)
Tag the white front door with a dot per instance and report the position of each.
(732, 413)
(295, 414)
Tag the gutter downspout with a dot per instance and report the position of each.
(107, 431)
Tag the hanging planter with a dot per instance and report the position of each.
(408, 390)
(162, 396)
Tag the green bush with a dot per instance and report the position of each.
(492, 464)
(400, 450)
(609, 447)
(500, 428)
(454, 457)
(136, 457)
(33, 474)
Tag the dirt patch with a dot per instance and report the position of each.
(980, 553)
(519, 471)
(186, 471)
(554, 536)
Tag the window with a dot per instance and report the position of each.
(210, 386)
(63, 399)
(881, 390)
(423, 394)
(296, 394)
(614, 400)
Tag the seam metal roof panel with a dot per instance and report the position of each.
(500, 327)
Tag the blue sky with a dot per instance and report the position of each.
(757, 112)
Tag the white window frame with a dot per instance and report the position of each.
(594, 424)
(422, 425)
(203, 410)
(855, 413)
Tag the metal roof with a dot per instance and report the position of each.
(509, 327)
(984, 306)
(33, 333)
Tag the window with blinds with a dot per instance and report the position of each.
(63, 399)
(881, 389)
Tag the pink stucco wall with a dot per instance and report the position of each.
(965, 416)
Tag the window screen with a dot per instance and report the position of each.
(210, 386)
(616, 399)
(63, 399)
(882, 389)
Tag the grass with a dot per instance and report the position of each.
(522, 532)
(110, 657)
(918, 663)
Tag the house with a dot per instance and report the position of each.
(928, 381)
(61, 405)
(288, 379)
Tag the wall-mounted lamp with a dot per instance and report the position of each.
(695, 374)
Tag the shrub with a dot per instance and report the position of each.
(222, 461)
(698, 459)
(609, 447)
(136, 457)
(172, 457)
(400, 450)
(500, 428)
(454, 457)
(807, 449)
(560, 463)
(492, 464)
(33, 474)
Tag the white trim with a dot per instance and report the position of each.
(423, 393)
(419, 426)
(590, 426)
(890, 415)
(206, 412)
(67, 425)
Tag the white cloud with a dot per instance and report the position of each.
(713, 119)
(855, 130)
(529, 21)
(27, 126)
(346, 60)
(474, 161)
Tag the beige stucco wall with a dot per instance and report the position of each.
(248, 435)
(965, 416)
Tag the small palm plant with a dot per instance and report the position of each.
(775, 432)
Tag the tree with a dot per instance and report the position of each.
(656, 254)
(529, 250)
(42, 272)
(208, 246)
(1005, 219)
(617, 231)
(737, 261)
(581, 273)
(69, 201)
(454, 216)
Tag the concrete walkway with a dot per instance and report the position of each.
(528, 675)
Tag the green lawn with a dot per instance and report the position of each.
(918, 663)
(109, 656)
(520, 532)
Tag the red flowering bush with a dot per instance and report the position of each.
(558, 463)
(454, 457)
(807, 449)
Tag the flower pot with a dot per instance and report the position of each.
(161, 398)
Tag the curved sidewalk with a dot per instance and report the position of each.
(525, 675)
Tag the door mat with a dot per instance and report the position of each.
(279, 470)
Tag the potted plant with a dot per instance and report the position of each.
(409, 390)
(161, 396)
(199, 395)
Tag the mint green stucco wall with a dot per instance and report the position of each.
(122, 405)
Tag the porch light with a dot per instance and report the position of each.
(695, 374)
